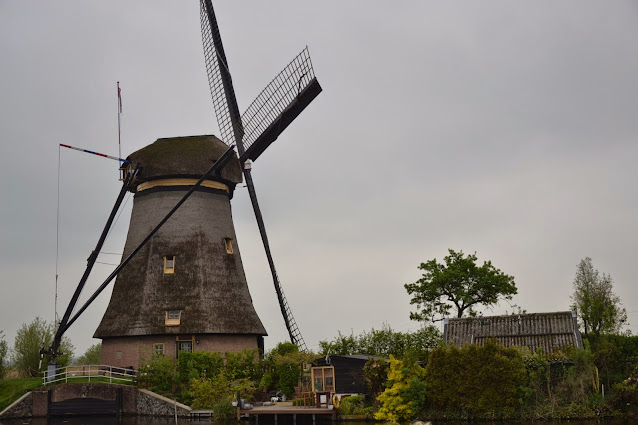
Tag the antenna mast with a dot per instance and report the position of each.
(119, 133)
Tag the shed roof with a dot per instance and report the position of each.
(549, 331)
(326, 360)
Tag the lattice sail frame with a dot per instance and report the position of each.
(222, 111)
(278, 94)
(267, 106)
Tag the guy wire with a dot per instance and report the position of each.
(57, 245)
(116, 219)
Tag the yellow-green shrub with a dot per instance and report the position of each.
(404, 396)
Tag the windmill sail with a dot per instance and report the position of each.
(273, 110)
(278, 105)
(219, 79)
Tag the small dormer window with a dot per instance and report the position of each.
(173, 317)
(169, 264)
(228, 243)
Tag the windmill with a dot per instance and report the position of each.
(201, 296)
(287, 95)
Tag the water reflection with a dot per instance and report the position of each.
(102, 420)
(129, 420)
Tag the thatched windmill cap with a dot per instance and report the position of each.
(186, 157)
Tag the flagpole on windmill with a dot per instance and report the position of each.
(119, 131)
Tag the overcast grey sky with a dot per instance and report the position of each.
(505, 128)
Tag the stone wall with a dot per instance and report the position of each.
(21, 408)
(134, 401)
(151, 404)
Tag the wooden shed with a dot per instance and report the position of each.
(340, 374)
(549, 331)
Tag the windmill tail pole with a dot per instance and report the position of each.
(91, 262)
(216, 166)
(95, 153)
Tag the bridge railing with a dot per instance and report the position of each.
(89, 373)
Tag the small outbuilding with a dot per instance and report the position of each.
(549, 331)
(340, 374)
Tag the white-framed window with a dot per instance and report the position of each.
(158, 349)
(228, 243)
(173, 317)
(169, 264)
(186, 346)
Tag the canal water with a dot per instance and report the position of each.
(170, 421)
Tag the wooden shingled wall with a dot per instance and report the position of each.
(549, 331)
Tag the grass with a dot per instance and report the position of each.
(13, 389)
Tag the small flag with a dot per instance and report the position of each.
(119, 97)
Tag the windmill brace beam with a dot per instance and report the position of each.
(284, 119)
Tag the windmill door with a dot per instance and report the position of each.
(184, 345)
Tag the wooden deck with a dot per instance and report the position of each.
(286, 409)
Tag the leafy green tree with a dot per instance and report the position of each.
(283, 366)
(384, 342)
(28, 342)
(341, 345)
(91, 356)
(375, 373)
(4, 349)
(599, 309)
(459, 283)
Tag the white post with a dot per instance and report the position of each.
(89, 373)
(110, 374)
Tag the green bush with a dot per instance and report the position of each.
(4, 349)
(202, 378)
(616, 356)
(207, 392)
(199, 364)
(484, 380)
(158, 374)
(224, 410)
(626, 394)
(375, 373)
(243, 364)
(353, 405)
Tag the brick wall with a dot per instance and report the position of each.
(127, 351)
